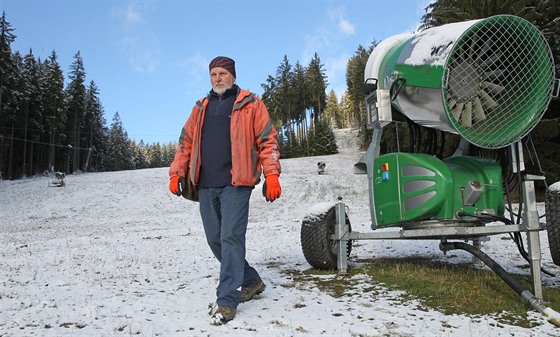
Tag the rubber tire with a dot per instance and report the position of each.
(318, 248)
(552, 209)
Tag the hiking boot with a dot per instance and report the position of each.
(247, 293)
(222, 315)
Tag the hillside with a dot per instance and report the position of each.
(116, 254)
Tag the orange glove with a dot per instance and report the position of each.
(176, 185)
(271, 188)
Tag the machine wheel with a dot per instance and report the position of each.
(552, 207)
(319, 249)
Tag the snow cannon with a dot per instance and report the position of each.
(488, 80)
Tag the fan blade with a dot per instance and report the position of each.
(494, 74)
(491, 60)
(460, 52)
(487, 101)
(466, 116)
(474, 40)
(478, 110)
(457, 111)
(494, 88)
(451, 103)
(485, 47)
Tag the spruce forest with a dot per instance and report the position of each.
(48, 126)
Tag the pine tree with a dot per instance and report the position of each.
(322, 140)
(119, 147)
(300, 97)
(31, 111)
(295, 97)
(52, 82)
(7, 67)
(317, 83)
(169, 153)
(299, 93)
(334, 114)
(76, 108)
(156, 156)
(277, 99)
(8, 97)
(95, 132)
(354, 82)
(355, 70)
(281, 96)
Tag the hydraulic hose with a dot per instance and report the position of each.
(516, 237)
(535, 302)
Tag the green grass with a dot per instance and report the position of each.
(449, 288)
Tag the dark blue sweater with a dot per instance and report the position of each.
(215, 148)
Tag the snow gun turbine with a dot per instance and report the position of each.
(488, 81)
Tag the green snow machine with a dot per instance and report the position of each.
(486, 81)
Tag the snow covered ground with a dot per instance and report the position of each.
(116, 254)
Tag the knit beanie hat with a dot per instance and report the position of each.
(224, 62)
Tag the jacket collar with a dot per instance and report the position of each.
(243, 97)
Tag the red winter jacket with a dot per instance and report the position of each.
(254, 144)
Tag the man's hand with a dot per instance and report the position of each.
(271, 188)
(176, 185)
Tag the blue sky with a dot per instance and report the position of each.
(150, 58)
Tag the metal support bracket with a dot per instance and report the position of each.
(531, 223)
(341, 237)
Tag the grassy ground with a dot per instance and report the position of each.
(449, 288)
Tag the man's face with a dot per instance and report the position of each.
(221, 80)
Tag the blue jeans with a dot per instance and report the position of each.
(225, 214)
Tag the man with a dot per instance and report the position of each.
(228, 141)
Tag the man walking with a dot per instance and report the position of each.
(228, 142)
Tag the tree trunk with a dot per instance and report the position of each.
(26, 116)
(10, 170)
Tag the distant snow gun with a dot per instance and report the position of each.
(488, 81)
(57, 179)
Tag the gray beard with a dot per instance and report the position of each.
(220, 90)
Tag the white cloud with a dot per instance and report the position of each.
(137, 38)
(132, 14)
(195, 69)
(327, 42)
(145, 60)
(345, 26)
(315, 44)
(335, 28)
(336, 72)
(337, 19)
